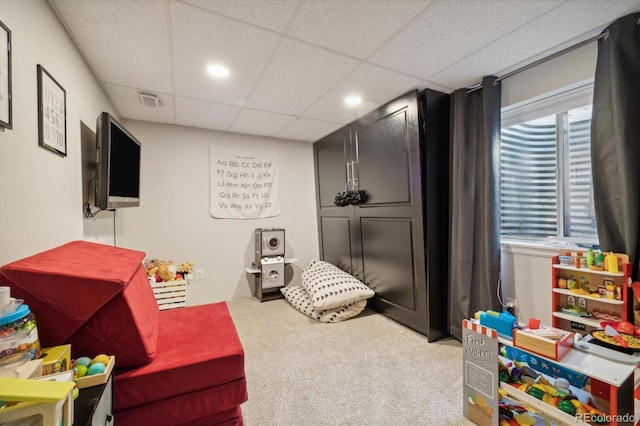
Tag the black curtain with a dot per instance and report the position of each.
(615, 139)
(475, 216)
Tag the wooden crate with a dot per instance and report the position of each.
(97, 379)
(536, 341)
(170, 294)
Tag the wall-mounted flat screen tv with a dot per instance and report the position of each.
(117, 165)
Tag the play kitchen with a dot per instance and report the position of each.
(582, 367)
(558, 377)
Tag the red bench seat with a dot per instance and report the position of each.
(181, 366)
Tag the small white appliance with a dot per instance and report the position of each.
(272, 272)
(269, 242)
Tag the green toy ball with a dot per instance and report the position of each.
(82, 370)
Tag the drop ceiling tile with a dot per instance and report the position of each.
(356, 27)
(263, 123)
(304, 129)
(451, 30)
(202, 37)
(271, 14)
(297, 75)
(127, 103)
(206, 115)
(365, 82)
(560, 28)
(163, 46)
(125, 42)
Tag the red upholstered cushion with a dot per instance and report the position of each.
(95, 296)
(198, 350)
(192, 409)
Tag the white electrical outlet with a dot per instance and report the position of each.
(199, 274)
(512, 306)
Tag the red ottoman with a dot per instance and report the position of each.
(181, 366)
(198, 371)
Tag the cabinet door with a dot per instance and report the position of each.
(384, 154)
(335, 224)
(391, 240)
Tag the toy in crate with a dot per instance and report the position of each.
(164, 270)
(545, 366)
(169, 282)
(93, 371)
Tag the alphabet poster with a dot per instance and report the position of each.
(244, 183)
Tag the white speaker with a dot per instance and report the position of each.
(272, 272)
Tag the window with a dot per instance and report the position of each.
(545, 168)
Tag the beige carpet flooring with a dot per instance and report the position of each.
(368, 370)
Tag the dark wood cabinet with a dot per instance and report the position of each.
(395, 242)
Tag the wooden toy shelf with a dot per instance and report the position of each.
(600, 303)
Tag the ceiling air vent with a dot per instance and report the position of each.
(149, 99)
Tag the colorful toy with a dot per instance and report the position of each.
(164, 270)
(96, 368)
(85, 361)
(502, 322)
(85, 366)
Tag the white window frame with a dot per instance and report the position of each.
(565, 99)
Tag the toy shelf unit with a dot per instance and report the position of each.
(170, 294)
(582, 297)
(600, 384)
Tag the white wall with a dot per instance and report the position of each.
(526, 277)
(174, 222)
(40, 191)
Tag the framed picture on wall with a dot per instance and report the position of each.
(52, 113)
(5, 77)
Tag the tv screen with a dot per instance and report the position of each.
(117, 165)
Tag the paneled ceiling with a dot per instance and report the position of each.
(292, 62)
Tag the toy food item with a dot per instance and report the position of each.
(83, 360)
(96, 368)
(536, 392)
(102, 358)
(611, 263)
(626, 327)
(632, 341)
(567, 407)
(81, 370)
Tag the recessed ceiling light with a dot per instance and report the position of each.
(218, 70)
(352, 100)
